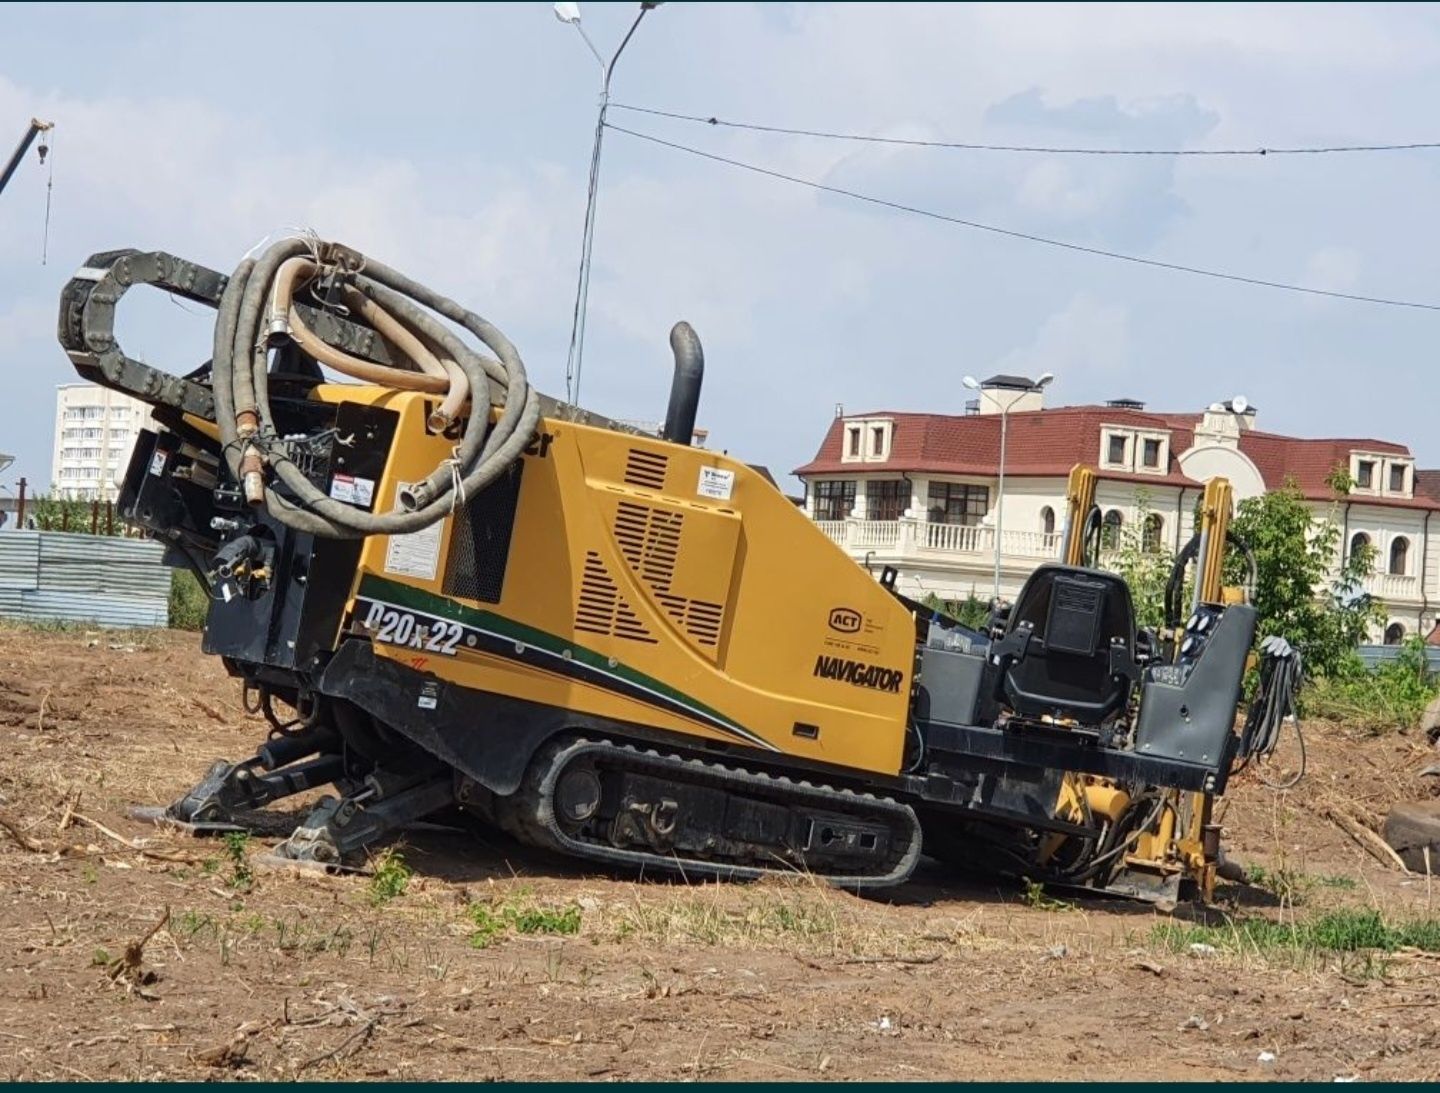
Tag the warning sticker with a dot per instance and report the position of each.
(429, 695)
(716, 484)
(353, 490)
(157, 464)
(415, 554)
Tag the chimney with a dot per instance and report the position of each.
(1015, 394)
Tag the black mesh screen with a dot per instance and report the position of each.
(480, 540)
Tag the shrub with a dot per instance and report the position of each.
(189, 603)
(1392, 696)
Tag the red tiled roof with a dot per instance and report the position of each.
(1047, 443)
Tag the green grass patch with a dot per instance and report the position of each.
(519, 914)
(390, 879)
(1335, 932)
(242, 877)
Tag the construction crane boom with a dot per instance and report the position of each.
(36, 128)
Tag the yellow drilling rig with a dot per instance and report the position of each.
(450, 594)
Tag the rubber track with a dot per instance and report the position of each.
(532, 817)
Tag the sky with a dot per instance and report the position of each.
(453, 142)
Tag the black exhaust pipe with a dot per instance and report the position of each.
(685, 388)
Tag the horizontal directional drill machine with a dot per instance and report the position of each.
(448, 593)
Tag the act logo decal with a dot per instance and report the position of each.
(845, 620)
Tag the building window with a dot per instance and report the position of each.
(1397, 477)
(834, 500)
(1115, 449)
(1110, 529)
(1150, 455)
(1047, 521)
(1394, 633)
(1359, 544)
(1399, 555)
(955, 503)
(1154, 529)
(886, 500)
(854, 442)
(1365, 474)
(877, 440)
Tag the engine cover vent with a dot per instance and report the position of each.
(602, 610)
(650, 540)
(646, 469)
(699, 619)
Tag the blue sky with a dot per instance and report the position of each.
(452, 141)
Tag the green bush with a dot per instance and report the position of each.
(189, 602)
(1392, 696)
(972, 611)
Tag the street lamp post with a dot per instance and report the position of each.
(1035, 385)
(570, 13)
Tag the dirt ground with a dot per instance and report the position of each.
(499, 963)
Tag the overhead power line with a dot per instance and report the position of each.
(863, 138)
(1199, 271)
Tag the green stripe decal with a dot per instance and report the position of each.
(417, 599)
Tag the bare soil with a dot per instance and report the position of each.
(469, 974)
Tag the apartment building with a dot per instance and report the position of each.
(918, 491)
(95, 430)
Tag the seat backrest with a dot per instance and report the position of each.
(1079, 621)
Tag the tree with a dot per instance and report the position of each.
(1298, 593)
(1144, 565)
(56, 512)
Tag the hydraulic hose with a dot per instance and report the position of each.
(257, 302)
(1174, 604)
(1281, 673)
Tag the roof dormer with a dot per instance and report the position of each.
(866, 439)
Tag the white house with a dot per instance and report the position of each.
(918, 491)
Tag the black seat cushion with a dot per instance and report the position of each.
(1075, 616)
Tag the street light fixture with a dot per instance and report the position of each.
(570, 13)
(1032, 386)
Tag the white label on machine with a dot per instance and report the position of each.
(716, 484)
(353, 490)
(416, 554)
(157, 464)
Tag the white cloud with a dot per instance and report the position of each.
(1089, 338)
(1334, 269)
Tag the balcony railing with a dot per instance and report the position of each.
(1393, 586)
(959, 538)
(917, 538)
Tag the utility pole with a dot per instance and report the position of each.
(1031, 386)
(36, 128)
(569, 13)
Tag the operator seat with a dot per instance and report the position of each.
(1068, 649)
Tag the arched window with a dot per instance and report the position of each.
(1110, 532)
(1154, 529)
(1399, 555)
(1047, 520)
(1359, 542)
(1394, 633)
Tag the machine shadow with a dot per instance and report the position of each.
(477, 854)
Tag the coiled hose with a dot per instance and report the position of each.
(256, 307)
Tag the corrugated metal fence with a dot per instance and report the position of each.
(83, 578)
(1375, 655)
